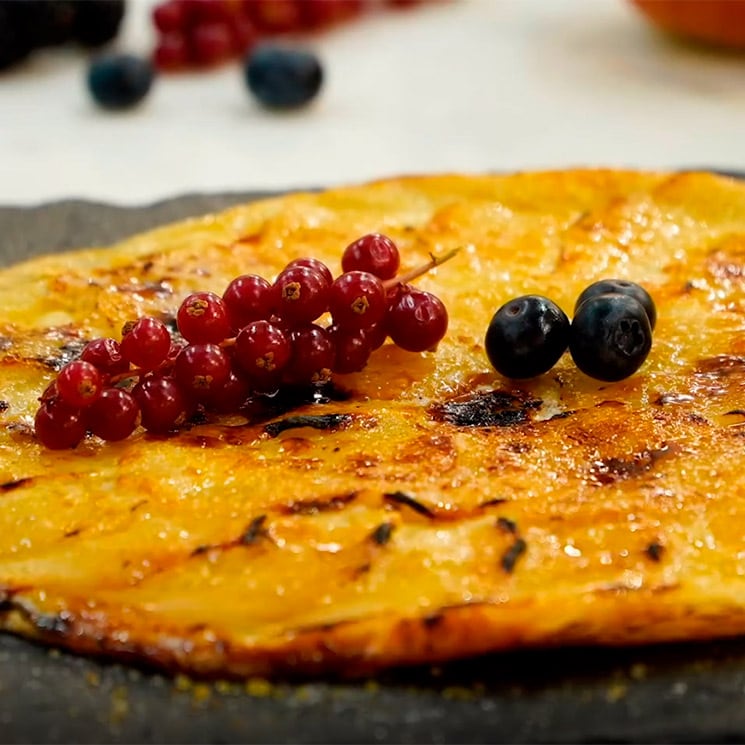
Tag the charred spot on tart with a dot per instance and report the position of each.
(15, 484)
(506, 525)
(433, 620)
(382, 534)
(666, 399)
(721, 365)
(654, 550)
(493, 502)
(161, 288)
(613, 469)
(315, 506)
(262, 408)
(68, 351)
(511, 556)
(324, 422)
(487, 409)
(254, 531)
(399, 498)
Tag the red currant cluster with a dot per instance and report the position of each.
(254, 340)
(204, 33)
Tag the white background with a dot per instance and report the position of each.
(470, 85)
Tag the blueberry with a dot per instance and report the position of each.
(527, 336)
(119, 81)
(283, 78)
(623, 287)
(610, 336)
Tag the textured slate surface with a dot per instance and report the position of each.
(684, 693)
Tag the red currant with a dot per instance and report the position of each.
(417, 321)
(244, 34)
(145, 343)
(377, 334)
(211, 43)
(106, 355)
(114, 415)
(357, 300)
(171, 52)
(352, 350)
(262, 350)
(58, 426)
(169, 16)
(374, 253)
(247, 298)
(300, 295)
(161, 402)
(312, 356)
(79, 384)
(314, 264)
(203, 318)
(231, 395)
(321, 13)
(201, 369)
(275, 16)
(50, 393)
(201, 12)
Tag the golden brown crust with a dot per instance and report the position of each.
(440, 511)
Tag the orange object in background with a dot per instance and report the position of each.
(718, 22)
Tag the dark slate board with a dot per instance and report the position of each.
(683, 693)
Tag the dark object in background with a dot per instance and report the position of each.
(53, 21)
(26, 25)
(283, 78)
(97, 21)
(15, 36)
(120, 81)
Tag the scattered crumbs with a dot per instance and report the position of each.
(134, 675)
(458, 693)
(258, 687)
(54, 653)
(182, 683)
(303, 693)
(638, 671)
(225, 688)
(616, 692)
(372, 686)
(701, 666)
(680, 688)
(93, 678)
(119, 704)
(200, 692)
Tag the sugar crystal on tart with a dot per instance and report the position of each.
(213, 461)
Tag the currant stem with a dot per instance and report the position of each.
(423, 269)
(135, 372)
